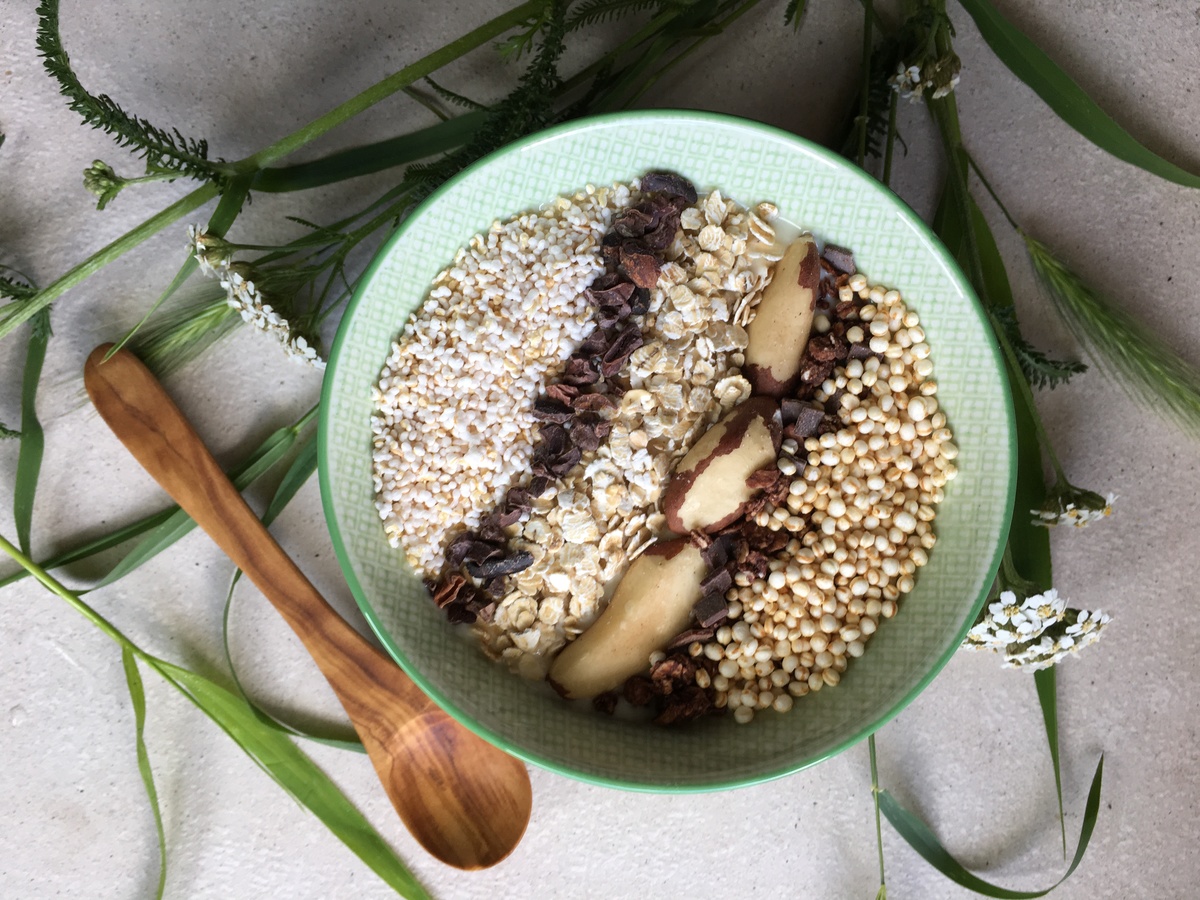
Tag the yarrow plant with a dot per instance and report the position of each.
(215, 258)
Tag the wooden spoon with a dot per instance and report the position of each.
(466, 801)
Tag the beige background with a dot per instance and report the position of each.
(969, 754)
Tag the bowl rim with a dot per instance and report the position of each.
(366, 606)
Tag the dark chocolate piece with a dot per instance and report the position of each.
(711, 609)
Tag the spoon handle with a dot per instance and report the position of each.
(133, 403)
(436, 773)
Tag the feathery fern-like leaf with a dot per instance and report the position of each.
(1040, 370)
(595, 12)
(163, 150)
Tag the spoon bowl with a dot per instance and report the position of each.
(466, 801)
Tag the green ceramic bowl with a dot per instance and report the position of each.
(813, 188)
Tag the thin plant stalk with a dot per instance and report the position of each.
(882, 894)
(11, 317)
(395, 82)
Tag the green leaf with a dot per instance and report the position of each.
(179, 523)
(137, 695)
(371, 158)
(293, 771)
(33, 440)
(922, 839)
(1065, 97)
(98, 545)
(302, 468)
(793, 15)
(1047, 691)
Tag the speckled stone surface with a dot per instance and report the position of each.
(969, 754)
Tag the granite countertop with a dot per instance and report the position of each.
(969, 754)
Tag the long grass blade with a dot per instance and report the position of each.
(137, 696)
(371, 158)
(922, 839)
(1047, 691)
(1065, 97)
(179, 523)
(1028, 544)
(1140, 361)
(293, 771)
(33, 439)
(300, 471)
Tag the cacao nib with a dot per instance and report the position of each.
(620, 350)
(840, 258)
(639, 263)
(459, 614)
(670, 184)
(508, 565)
(764, 478)
(563, 464)
(827, 348)
(581, 372)
(685, 638)
(639, 691)
(486, 613)
(664, 235)
(538, 485)
(639, 304)
(547, 410)
(846, 310)
(676, 671)
(447, 592)
(593, 402)
(606, 702)
(684, 705)
(563, 393)
(860, 351)
(634, 222)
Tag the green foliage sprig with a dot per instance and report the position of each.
(1040, 370)
(163, 150)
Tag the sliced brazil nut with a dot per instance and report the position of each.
(709, 488)
(779, 331)
(650, 605)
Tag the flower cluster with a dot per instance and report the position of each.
(938, 76)
(1036, 632)
(237, 278)
(1073, 506)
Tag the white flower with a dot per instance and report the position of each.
(1074, 507)
(1040, 630)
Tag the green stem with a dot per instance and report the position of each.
(987, 185)
(878, 819)
(101, 258)
(864, 103)
(1023, 388)
(738, 12)
(390, 85)
(72, 598)
(890, 147)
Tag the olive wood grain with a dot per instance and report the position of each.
(465, 801)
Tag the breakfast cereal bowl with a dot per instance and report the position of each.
(812, 189)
